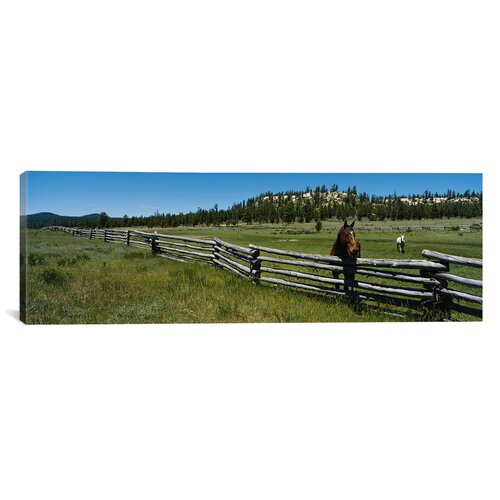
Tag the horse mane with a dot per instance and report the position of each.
(332, 251)
(337, 240)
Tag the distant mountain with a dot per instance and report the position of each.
(43, 219)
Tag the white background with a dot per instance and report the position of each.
(248, 411)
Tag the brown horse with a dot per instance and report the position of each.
(346, 246)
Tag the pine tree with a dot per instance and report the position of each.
(103, 220)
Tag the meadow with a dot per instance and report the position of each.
(76, 280)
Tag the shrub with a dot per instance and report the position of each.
(34, 260)
(71, 261)
(53, 276)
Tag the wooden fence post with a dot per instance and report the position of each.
(255, 267)
(437, 305)
(105, 235)
(214, 252)
(91, 234)
(154, 244)
(128, 237)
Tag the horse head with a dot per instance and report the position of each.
(346, 244)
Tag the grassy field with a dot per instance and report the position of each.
(373, 244)
(76, 280)
(333, 225)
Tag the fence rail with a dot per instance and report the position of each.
(457, 227)
(422, 285)
(398, 227)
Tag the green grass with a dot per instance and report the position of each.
(328, 225)
(76, 280)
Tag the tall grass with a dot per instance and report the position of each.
(117, 284)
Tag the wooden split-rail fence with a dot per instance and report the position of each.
(424, 288)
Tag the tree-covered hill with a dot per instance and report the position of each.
(321, 204)
(294, 206)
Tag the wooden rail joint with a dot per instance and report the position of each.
(444, 298)
(154, 244)
(255, 267)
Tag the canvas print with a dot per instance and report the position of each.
(124, 247)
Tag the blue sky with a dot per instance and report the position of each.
(142, 193)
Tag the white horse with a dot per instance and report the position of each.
(400, 243)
